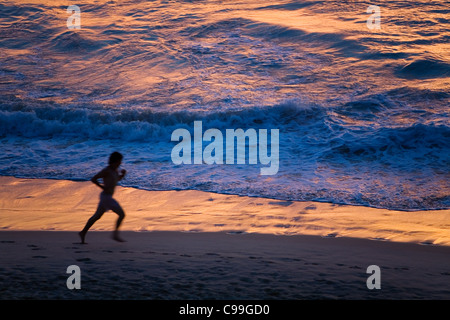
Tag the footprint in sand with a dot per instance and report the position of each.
(211, 254)
(264, 280)
(281, 203)
(34, 247)
(401, 268)
(246, 279)
(236, 232)
(379, 239)
(330, 235)
(84, 259)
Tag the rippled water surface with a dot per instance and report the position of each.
(363, 114)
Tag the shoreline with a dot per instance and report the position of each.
(65, 205)
(239, 195)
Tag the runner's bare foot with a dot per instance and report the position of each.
(82, 236)
(116, 237)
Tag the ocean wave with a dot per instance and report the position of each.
(74, 42)
(308, 132)
(424, 69)
(408, 147)
(144, 124)
(419, 94)
(138, 124)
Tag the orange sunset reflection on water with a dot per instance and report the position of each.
(362, 112)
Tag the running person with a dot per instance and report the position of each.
(110, 177)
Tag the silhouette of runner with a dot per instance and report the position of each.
(110, 177)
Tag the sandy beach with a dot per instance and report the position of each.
(189, 245)
(175, 265)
